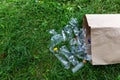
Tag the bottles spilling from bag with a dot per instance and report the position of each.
(71, 54)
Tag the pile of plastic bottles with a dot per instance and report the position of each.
(70, 46)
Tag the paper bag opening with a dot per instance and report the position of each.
(104, 32)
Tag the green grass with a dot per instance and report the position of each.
(24, 39)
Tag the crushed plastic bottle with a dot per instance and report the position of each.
(76, 31)
(73, 22)
(74, 25)
(88, 52)
(68, 30)
(55, 40)
(82, 34)
(79, 52)
(68, 55)
(76, 48)
(63, 61)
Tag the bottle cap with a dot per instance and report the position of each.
(55, 49)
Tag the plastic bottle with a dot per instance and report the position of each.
(61, 59)
(74, 25)
(73, 22)
(68, 30)
(79, 52)
(73, 43)
(76, 48)
(55, 40)
(82, 34)
(68, 55)
(76, 31)
(88, 52)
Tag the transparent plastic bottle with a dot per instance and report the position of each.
(68, 55)
(68, 30)
(73, 22)
(55, 40)
(88, 52)
(74, 25)
(76, 31)
(61, 59)
(79, 52)
(76, 48)
(82, 34)
(73, 46)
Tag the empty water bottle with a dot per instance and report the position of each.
(76, 48)
(68, 31)
(56, 39)
(76, 31)
(74, 25)
(68, 55)
(82, 34)
(88, 51)
(73, 22)
(65, 51)
(79, 52)
(63, 61)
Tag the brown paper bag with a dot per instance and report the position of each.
(104, 32)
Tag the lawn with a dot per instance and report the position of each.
(24, 39)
